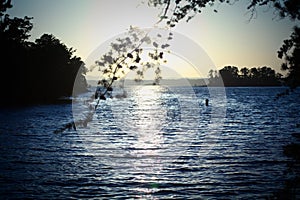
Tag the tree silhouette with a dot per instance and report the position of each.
(54, 65)
(245, 72)
(13, 35)
(232, 76)
(229, 75)
(40, 71)
(290, 53)
(4, 5)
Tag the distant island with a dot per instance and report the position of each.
(231, 76)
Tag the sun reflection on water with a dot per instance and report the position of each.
(150, 117)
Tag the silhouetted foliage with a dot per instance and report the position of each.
(126, 55)
(54, 65)
(290, 53)
(232, 76)
(174, 11)
(4, 5)
(38, 72)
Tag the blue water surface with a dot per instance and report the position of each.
(157, 143)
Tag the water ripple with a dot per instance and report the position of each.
(150, 147)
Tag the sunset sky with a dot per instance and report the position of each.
(228, 37)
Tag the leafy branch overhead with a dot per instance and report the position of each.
(138, 51)
(290, 53)
(174, 11)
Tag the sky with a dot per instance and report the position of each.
(227, 37)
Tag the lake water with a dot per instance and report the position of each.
(158, 143)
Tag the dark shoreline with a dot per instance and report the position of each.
(7, 104)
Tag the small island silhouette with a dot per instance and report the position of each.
(231, 76)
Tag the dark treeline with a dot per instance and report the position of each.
(232, 76)
(34, 72)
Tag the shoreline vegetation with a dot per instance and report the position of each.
(40, 72)
(44, 72)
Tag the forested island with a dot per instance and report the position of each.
(35, 72)
(231, 76)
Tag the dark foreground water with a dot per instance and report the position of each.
(155, 144)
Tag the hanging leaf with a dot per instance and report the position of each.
(164, 46)
(161, 55)
(129, 55)
(137, 60)
(108, 59)
(148, 65)
(105, 71)
(140, 73)
(120, 66)
(155, 44)
(99, 63)
(151, 55)
(115, 78)
(146, 39)
(133, 67)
